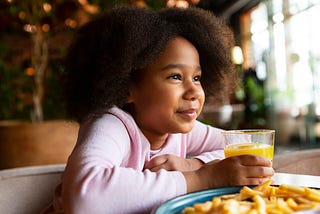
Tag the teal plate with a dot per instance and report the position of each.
(176, 205)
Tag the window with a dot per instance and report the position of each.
(280, 38)
(294, 55)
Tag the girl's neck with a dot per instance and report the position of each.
(156, 141)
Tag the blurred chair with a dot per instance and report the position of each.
(298, 162)
(26, 144)
(28, 190)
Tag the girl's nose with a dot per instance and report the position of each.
(193, 91)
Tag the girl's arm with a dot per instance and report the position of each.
(102, 175)
(98, 189)
(203, 144)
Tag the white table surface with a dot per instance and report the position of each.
(297, 179)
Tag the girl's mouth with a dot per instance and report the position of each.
(190, 114)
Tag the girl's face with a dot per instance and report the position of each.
(169, 97)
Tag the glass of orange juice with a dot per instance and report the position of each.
(250, 141)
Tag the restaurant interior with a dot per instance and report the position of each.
(276, 56)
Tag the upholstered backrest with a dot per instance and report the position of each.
(28, 189)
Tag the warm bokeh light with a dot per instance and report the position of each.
(22, 15)
(194, 2)
(71, 23)
(90, 8)
(45, 27)
(140, 3)
(171, 3)
(182, 4)
(30, 28)
(237, 56)
(47, 7)
(30, 71)
(83, 2)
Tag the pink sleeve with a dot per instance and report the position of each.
(118, 190)
(206, 141)
(96, 181)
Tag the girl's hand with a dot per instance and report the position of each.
(173, 163)
(233, 171)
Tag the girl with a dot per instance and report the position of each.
(136, 82)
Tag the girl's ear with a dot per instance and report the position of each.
(136, 75)
(129, 97)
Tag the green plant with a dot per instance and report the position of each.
(255, 107)
(30, 70)
(15, 87)
(29, 74)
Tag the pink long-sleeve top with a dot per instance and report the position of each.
(105, 172)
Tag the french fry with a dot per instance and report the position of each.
(189, 210)
(312, 194)
(292, 189)
(216, 201)
(203, 207)
(247, 192)
(264, 186)
(261, 199)
(292, 203)
(260, 204)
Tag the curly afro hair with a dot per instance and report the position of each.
(105, 53)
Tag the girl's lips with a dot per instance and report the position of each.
(188, 114)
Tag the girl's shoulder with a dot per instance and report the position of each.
(113, 127)
(111, 119)
(113, 122)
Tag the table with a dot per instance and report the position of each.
(304, 162)
(297, 179)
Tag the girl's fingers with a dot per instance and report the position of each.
(254, 160)
(156, 161)
(256, 181)
(155, 169)
(258, 171)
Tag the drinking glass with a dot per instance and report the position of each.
(250, 141)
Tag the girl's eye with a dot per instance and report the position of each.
(197, 78)
(175, 77)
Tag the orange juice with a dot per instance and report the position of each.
(260, 149)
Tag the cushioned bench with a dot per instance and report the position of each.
(28, 190)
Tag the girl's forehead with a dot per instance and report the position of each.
(178, 50)
(178, 40)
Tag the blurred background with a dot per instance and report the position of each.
(277, 58)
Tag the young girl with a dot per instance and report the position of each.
(137, 81)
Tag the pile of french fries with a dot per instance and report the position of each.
(261, 199)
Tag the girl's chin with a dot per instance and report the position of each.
(186, 128)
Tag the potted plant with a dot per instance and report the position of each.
(27, 137)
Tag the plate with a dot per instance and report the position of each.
(176, 205)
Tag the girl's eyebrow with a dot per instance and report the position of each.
(173, 66)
